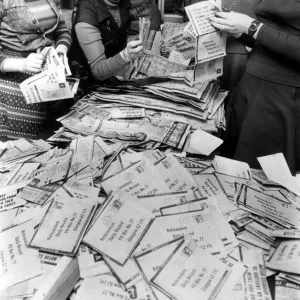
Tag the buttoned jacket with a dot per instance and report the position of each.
(20, 29)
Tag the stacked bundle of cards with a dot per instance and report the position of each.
(103, 221)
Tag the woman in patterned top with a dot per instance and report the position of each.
(26, 27)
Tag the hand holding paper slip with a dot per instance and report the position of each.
(46, 86)
(52, 60)
(199, 15)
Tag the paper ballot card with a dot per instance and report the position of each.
(290, 277)
(175, 175)
(286, 257)
(286, 234)
(286, 290)
(127, 275)
(191, 273)
(106, 287)
(157, 201)
(18, 262)
(64, 225)
(150, 261)
(8, 197)
(200, 225)
(232, 167)
(256, 285)
(274, 166)
(267, 206)
(101, 287)
(276, 169)
(199, 15)
(82, 154)
(211, 46)
(121, 223)
(198, 204)
(90, 262)
(56, 169)
(209, 186)
(139, 179)
(204, 143)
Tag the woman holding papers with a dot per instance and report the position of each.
(25, 27)
(102, 28)
(263, 112)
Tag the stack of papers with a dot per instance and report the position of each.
(107, 219)
(191, 52)
(51, 83)
(163, 112)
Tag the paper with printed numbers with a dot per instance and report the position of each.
(267, 206)
(211, 46)
(157, 201)
(121, 223)
(200, 225)
(286, 257)
(199, 14)
(192, 273)
(139, 179)
(56, 169)
(64, 225)
(18, 262)
(90, 262)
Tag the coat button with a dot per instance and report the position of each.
(34, 21)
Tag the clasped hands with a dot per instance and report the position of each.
(232, 22)
(33, 62)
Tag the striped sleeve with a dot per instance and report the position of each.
(62, 34)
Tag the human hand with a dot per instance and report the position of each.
(61, 49)
(32, 63)
(232, 22)
(133, 49)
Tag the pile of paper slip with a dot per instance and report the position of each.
(164, 113)
(51, 83)
(101, 220)
(192, 52)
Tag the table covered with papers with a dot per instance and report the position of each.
(92, 215)
(129, 199)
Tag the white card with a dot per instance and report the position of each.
(17, 261)
(64, 225)
(121, 223)
(204, 143)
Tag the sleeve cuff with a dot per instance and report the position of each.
(120, 58)
(62, 42)
(261, 32)
(2, 60)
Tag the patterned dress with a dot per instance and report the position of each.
(38, 23)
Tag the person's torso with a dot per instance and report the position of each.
(114, 37)
(284, 16)
(28, 26)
